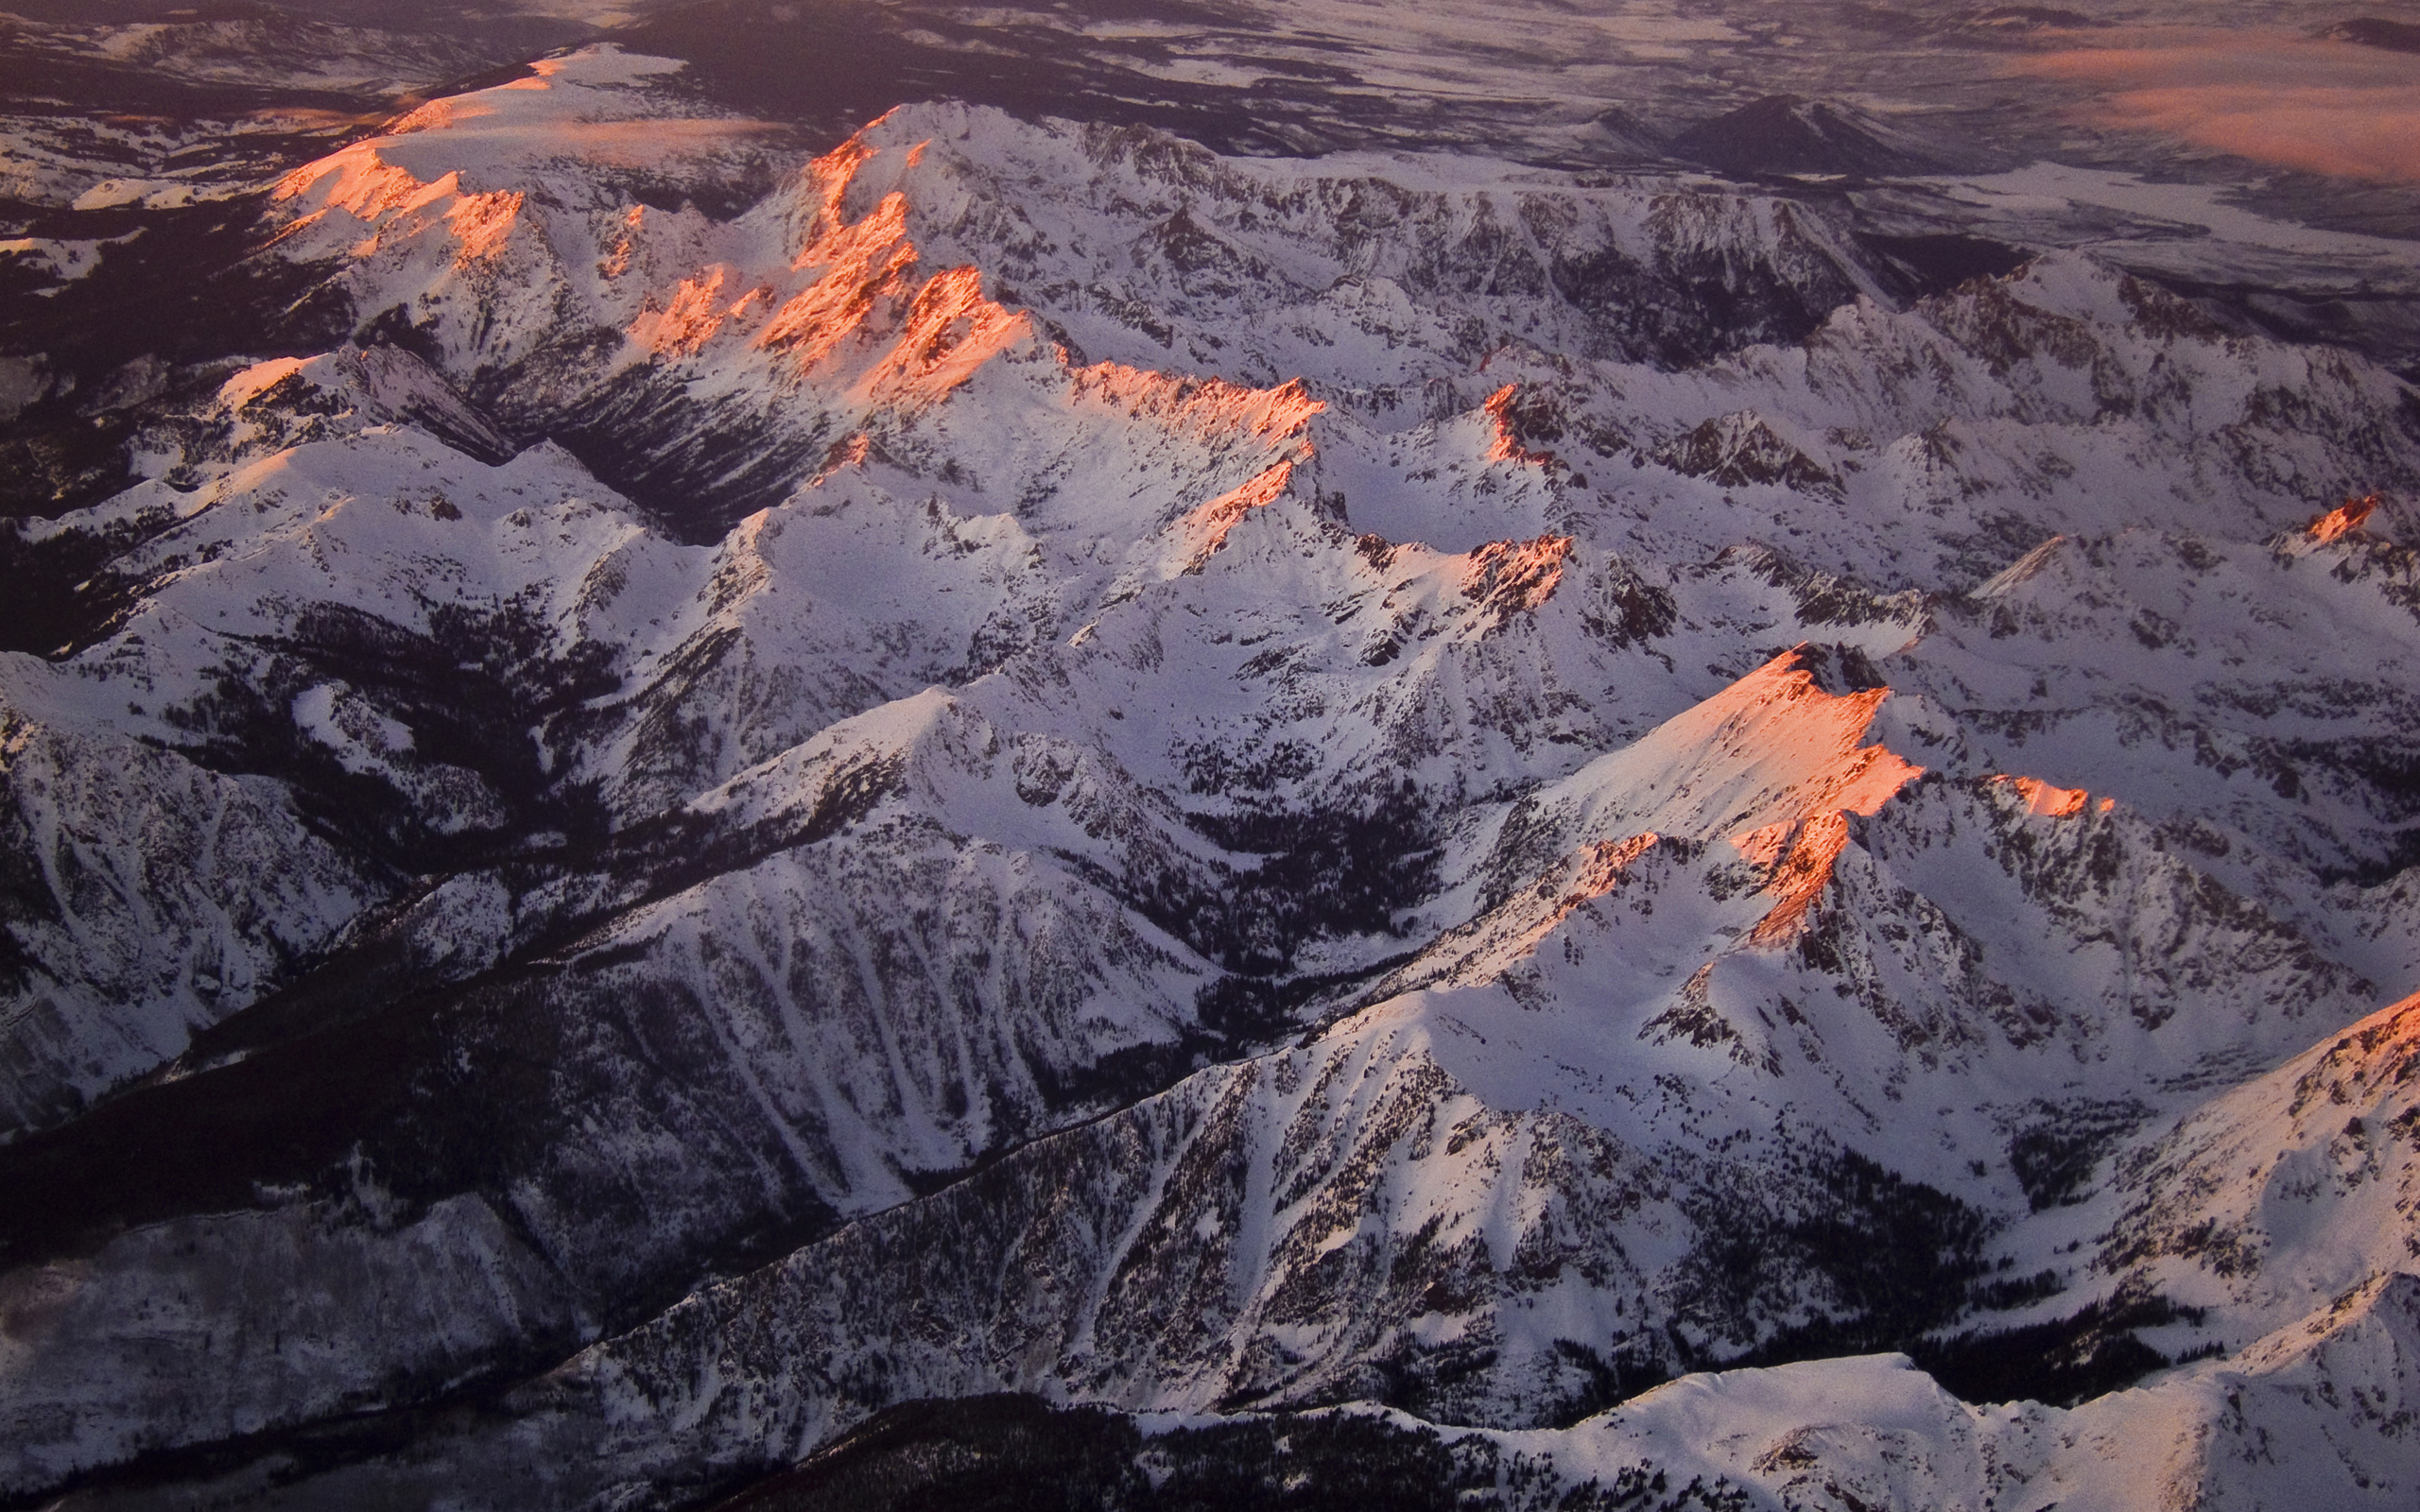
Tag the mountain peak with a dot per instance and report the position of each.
(1786, 134)
(2374, 31)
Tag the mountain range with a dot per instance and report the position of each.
(754, 756)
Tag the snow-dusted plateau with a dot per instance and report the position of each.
(1200, 753)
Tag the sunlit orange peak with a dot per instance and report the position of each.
(483, 223)
(684, 325)
(1507, 446)
(1516, 575)
(2342, 519)
(1205, 406)
(360, 182)
(1208, 526)
(951, 330)
(2051, 802)
(1801, 872)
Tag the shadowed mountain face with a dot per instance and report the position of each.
(2375, 31)
(787, 756)
(1784, 135)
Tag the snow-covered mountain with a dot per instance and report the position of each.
(668, 785)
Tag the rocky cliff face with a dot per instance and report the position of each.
(1020, 757)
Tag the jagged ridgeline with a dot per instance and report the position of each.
(1015, 815)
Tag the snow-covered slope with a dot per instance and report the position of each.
(2311, 1414)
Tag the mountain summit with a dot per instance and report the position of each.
(1784, 135)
